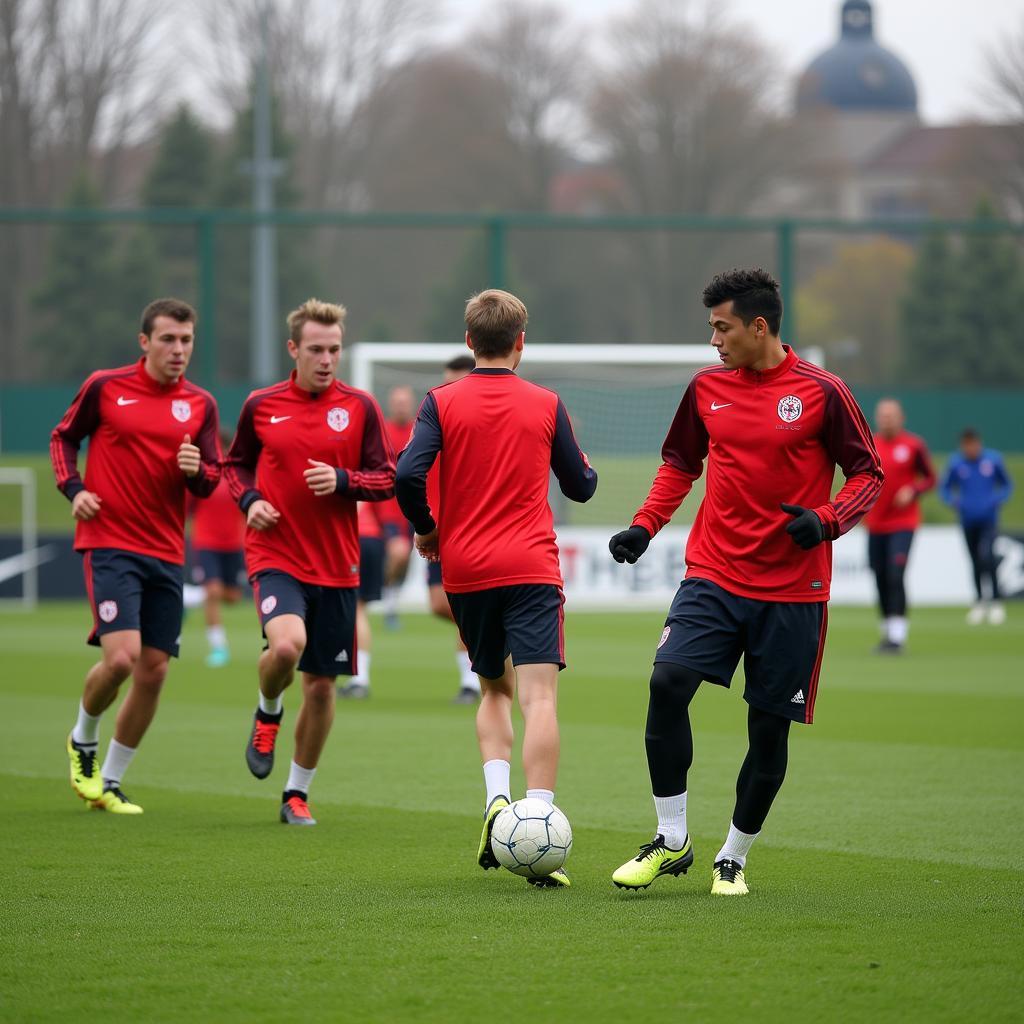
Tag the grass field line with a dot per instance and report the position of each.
(847, 843)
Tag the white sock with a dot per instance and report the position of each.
(672, 819)
(899, 627)
(270, 705)
(496, 779)
(737, 846)
(362, 677)
(300, 778)
(389, 598)
(547, 795)
(86, 732)
(216, 636)
(116, 764)
(470, 680)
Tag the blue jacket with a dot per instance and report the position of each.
(976, 489)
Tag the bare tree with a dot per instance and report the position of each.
(1005, 91)
(684, 108)
(535, 53)
(326, 60)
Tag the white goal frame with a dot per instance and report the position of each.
(26, 479)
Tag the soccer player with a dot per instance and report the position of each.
(305, 451)
(152, 438)
(758, 557)
(371, 584)
(397, 532)
(976, 484)
(499, 437)
(895, 516)
(469, 685)
(218, 537)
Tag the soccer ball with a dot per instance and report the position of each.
(531, 838)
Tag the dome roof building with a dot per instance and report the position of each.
(857, 74)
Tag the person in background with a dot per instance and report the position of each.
(398, 536)
(894, 518)
(975, 485)
(218, 541)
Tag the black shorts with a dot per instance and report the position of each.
(889, 552)
(433, 574)
(708, 629)
(138, 592)
(226, 566)
(328, 612)
(371, 568)
(525, 621)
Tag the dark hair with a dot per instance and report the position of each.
(460, 363)
(174, 308)
(753, 293)
(969, 434)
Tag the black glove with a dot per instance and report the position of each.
(807, 529)
(629, 545)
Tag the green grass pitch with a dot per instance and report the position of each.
(887, 885)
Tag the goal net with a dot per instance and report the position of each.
(20, 555)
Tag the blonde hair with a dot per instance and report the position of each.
(494, 319)
(319, 312)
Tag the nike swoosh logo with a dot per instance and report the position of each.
(126, 401)
(18, 565)
(279, 419)
(715, 406)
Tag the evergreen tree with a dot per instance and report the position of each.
(987, 304)
(80, 306)
(181, 176)
(296, 278)
(932, 353)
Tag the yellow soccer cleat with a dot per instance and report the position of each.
(114, 801)
(654, 860)
(485, 855)
(558, 879)
(86, 780)
(727, 879)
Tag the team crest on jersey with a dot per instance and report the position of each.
(790, 408)
(268, 604)
(107, 610)
(181, 410)
(901, 453)
(664, 637)
(337, 419)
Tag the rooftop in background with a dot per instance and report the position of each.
(857, 73)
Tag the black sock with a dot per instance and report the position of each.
(263, 716)
(668, 737)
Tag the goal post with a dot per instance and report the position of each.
(21, 564)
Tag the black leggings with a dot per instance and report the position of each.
(983, 560)
(887, 555)
(669, 741)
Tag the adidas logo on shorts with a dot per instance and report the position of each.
(799, 698)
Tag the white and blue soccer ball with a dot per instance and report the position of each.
(532, 838)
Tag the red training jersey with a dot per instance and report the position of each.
(368, 519)
(398, 435)
(906, 463)
(496, 439)
(135, 427)
(280, 429)
(769, 437)
(217, 525)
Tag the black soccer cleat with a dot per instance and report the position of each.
(259, 751)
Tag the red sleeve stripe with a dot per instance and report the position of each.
(852, 508)
(869, 484)
(852, 408)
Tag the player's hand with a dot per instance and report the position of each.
(262, 515)
(904, 496)
(86, 505)
(426, 545)
(806, 529)
(190, 459)
(629, 545)
(320, 478)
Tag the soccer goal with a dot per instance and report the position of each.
(19, 552)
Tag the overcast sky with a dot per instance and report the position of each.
(942, 41)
